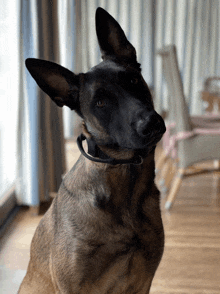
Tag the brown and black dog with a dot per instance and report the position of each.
(103, 232)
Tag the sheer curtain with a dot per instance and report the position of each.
(192, 25)
(41, 156)
(68, 42)
(9, 88)
(135, 17)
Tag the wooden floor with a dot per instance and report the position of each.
(191, 261)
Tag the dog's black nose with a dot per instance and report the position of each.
(150, 124)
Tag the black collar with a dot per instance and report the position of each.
(98, 155)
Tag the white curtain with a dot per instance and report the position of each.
(192, 25)
(41, 156)
(67, 36)
(135, 17)
(9, 89)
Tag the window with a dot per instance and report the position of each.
(9, 93)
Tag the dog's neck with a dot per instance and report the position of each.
(108, 155)
(96, 154)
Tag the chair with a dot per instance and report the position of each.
(193, 139)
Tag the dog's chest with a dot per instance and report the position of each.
(122, 235)
(127, 274)
(125, 263)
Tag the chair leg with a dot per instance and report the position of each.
(160, 161)
(174, 189)
(164, 174)
(170, 175)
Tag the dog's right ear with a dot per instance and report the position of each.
(112, 40)
(56, 81)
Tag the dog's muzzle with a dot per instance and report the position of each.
(150, 126)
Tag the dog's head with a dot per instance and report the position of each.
(112, 98)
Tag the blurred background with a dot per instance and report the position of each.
(37, 138)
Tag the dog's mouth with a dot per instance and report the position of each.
(147, 148)
(154, 139)
(140, 143)
(149, 145)
(148, 130)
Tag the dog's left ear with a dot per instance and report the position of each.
(112, 40)
(58, 82)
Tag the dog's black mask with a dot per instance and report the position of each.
(112, 98)
(120, 103)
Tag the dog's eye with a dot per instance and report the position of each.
(134, 81)
(100, 103)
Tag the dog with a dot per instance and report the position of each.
(103, 232)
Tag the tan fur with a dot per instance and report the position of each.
(80, 248)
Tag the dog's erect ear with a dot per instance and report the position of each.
(112, 40)
(56, 81)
